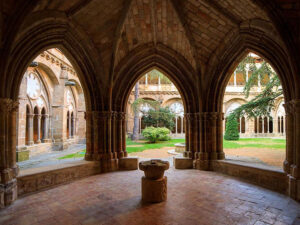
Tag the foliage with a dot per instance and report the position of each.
(154, 134)
(262, 104)
(162, 117)
(154, 74)
(231, 131)
(140, 101)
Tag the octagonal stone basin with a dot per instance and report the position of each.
(180, 147)
(154, 169)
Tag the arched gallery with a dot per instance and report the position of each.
(68, 69)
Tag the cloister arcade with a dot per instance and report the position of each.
(198, 44)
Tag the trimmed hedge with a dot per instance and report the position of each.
(154, 134)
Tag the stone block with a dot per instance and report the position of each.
(128, 163)
(183, 163)
(154, 191)
(22, 155)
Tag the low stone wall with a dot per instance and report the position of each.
(271, 179)
(32, 180)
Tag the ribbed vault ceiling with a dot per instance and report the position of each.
(193, 28)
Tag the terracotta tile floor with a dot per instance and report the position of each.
(194, 197)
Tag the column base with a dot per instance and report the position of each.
(183, 163)
(8, 193)
(221, 155)
(128, 163)
(286, 166)
(188, 154)
(46, 140)
(30, 143)
(38, 142)
(294, 188)
(154, 191)
(109, 165)
(202, 164)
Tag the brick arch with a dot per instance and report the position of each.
(249, 41)
(50, 33)
(177, 69)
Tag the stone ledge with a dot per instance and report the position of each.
(183, 163)
(128, 163)
(32, 180)
(275, 180)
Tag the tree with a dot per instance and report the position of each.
(162, 117)
(231, 131)
(271, 88)
(136, 107)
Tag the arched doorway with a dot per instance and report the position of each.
(256, 140)
(158, 106)
(51, 85)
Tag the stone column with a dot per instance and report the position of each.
(188, 151)
(8, 168)
(102, 140)
(211, 139)
(220, 152)
(38, 128)
(181, 120)
(176, 119)
(289, 137)
(89, 136)
(234, 78)
(124, 133)
(70, 125)
(30, 129)
(114, 137)
(74, 126)
(119, 142)
(294, 178)
(46, 128)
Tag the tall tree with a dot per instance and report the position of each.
(136, 122)
(271, 88)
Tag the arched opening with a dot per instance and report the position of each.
(255, 142)
(157, 103)
(51, 86)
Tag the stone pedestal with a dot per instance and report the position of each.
(154, 190)
(154, 184)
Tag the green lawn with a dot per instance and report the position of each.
(256, 143)
(143, 145)
(139, 146)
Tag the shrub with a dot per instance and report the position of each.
(231, 132)
(154, 134)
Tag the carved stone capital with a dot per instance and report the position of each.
(120, 115)
(8, 105)
(102, 115)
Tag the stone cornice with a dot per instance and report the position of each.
(57, 61)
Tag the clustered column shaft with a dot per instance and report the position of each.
(8, 167)
(204, 137)
(106, 135)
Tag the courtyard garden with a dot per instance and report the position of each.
(269, 151)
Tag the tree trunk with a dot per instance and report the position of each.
(135, 134)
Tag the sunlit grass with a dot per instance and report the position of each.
(142, 145)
